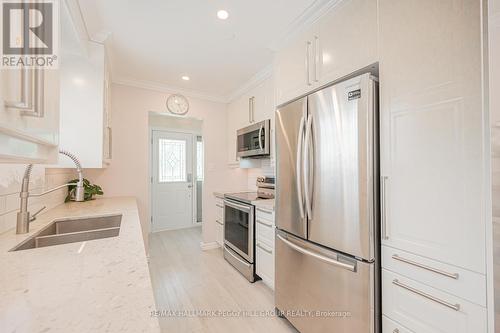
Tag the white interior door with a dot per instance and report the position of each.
(172, 180)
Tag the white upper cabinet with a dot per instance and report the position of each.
(347, 39)
(344, 40)
(295, 66)
(85, 112)
(29, 115)
(256, 105)
(432, 130)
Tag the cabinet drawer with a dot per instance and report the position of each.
(264, 231)
(264, 262)
(456, 281)
(389, 326)
(264, 214)
(219, 210)
(421, 308)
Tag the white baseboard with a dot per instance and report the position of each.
(209, 246)
(179, 228)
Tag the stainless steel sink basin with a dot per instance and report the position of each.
(71, 230)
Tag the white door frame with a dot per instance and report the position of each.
(194, 222)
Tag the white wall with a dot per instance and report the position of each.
(41, 179)
(128, 173)
(494, 88)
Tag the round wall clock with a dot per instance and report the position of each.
(177, 104)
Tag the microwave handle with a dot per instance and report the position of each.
(261, 146)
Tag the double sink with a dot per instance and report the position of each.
(71, 230)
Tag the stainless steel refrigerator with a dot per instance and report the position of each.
(327, 248)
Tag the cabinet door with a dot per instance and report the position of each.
(431, 130)
(294, 66)
(264, 262)
(347, 39)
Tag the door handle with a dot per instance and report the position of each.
(318, 256)
(308, 172)
(298, 179)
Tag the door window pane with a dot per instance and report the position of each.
(199, 160)
(171, 160)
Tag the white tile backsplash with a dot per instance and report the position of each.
(266, 169)
(41, 179)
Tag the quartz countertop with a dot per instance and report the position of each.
(100, 285)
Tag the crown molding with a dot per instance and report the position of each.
(306, 19)
(164, 88)
(253, 82)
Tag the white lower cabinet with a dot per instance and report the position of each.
(264, 245)
(389, 326)
(422, 308)
(219, 221)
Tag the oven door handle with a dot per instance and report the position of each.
(235, 205)
(261, 146)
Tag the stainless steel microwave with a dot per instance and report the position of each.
(254, 140)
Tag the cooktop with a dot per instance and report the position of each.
(246, 197)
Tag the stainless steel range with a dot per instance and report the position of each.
(239, 227)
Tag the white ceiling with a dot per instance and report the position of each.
(157, 41)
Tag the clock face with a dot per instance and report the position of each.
(177, 104)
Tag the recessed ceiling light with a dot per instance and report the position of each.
(222, 14)
(185, 78)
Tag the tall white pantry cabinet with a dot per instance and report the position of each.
(433, 147)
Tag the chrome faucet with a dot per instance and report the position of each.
(23, 216)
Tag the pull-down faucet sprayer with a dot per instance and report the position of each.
(23, 216)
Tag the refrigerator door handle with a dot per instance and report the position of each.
(300, 140)
(318, 256)
(308, 171)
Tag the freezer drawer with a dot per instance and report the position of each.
(319, 290)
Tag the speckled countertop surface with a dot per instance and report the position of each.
(101, 286)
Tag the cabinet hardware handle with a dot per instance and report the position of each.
(219, 222)
(253, 109)
(455, 307)
(264, 249)
(316, 58)
(220, 206)
(384, 212)
(264, 223)
(250, 110)
(32, 94)
(395, 330)
(432, 269)
(308, 47)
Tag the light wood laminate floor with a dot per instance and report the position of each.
(185, 278)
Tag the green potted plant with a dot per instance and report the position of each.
(90, 190)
